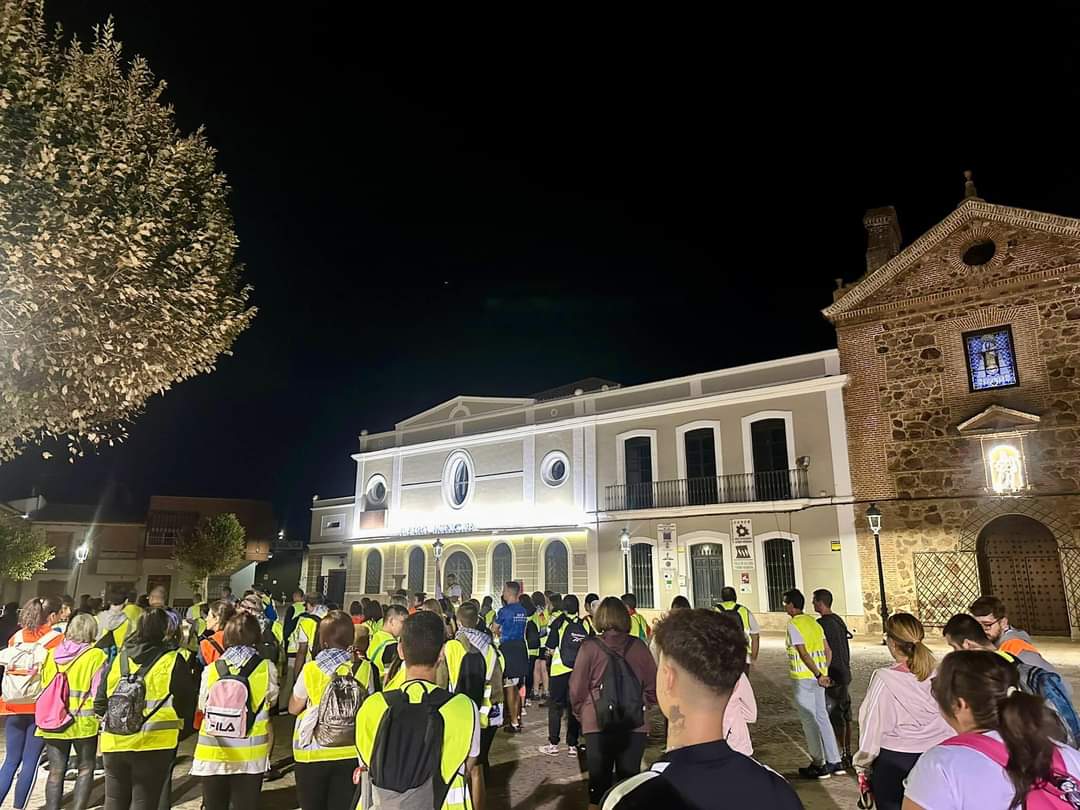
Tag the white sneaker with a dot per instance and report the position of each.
(550, 750)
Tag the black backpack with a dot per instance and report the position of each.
(574, 632)
(268, 648)
(126, 709)
(406, 762)
(472, 679)
(734, 610)
(620, 703)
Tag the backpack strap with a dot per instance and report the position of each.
(125, 665)
(216, 646)
(221, 667)
(999, 754)
(435, 699)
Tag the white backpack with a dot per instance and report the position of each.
(22, 663)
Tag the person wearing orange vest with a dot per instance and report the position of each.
(212, 648)
(989, 611)
(22, 745)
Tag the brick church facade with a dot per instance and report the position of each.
(963, 413)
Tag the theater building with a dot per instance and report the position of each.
(962, 356)
(733, 477)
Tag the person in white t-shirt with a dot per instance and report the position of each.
(996, 723)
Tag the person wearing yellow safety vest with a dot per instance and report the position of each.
(195, 611)
(638, 626)
(540, 665)
(388, 716)
(532, 645)
(383, 649)
(137, 765)
(808, 663)
(231, 768)
(306, 630)
(292, 617)
(132, 609)
(487, 611)
(324, 773)
(564, 640)
(114, 620)
(728, 604)
(373, 617)
(81, 662)
(470, 639)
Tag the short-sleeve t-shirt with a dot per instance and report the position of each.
(951, 777)
(836, 633)
(511, 620)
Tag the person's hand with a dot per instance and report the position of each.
(824, 680)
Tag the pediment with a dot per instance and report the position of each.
(1023, 242)
(998, 419)
(462, 407)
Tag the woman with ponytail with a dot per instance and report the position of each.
(1004, 756)
(898, 719)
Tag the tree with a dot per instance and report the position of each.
(216, 544)
(118, 269)
(23, 550)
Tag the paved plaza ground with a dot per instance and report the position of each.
(523, 778)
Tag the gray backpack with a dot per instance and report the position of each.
(336, 724)
(126, 711)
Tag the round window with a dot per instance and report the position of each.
(554, 468)
(979, 253)
(376, 490)
(458, 479)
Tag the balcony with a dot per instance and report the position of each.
(778, 485)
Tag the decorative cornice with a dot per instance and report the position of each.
(967, 211)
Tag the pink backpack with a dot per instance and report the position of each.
(229, 712)
(1061, 791)
(52, 711)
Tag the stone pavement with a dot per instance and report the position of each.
(522, 778)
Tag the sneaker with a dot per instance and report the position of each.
(813, 771)
(550, 750)
(71, 774)
(512, 729)
(572, 751)
(273, 774)
(99, 772)
(835, 768)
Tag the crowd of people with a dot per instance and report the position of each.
(398, 704)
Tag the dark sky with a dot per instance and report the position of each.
(493, 206)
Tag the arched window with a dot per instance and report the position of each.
(373, 576)
(779, 570)
(502, 567)
(417, 563)
(459, 566)
(641, 574)
(556, 568)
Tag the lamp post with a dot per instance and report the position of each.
(873, 518)
(437, 548)
(81, 553)
(624, 546)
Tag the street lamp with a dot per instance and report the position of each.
(81, 553)
(624, 546)
(437, 548)
(873, 518)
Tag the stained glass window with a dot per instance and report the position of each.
(990, 358)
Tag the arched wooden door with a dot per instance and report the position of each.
(1020, 564)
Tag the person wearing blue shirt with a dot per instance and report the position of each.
(510, 629)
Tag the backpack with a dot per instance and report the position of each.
(620, 705)
(473, 676)
(229, 712)
(1049, 686)
(336, 724)
(1060, 790)
(573, 633)
(268, 647)
(126, 710)
(52, 711)
(406, 762)
(721, 609)
(22, 663)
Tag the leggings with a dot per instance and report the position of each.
(557, 704)
(58, 751)
(23, 748)
(887, 777)
(608, 751)
(240, 790)
(133, 779)
(325, 785)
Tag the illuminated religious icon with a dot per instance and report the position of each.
(990, 357)
(1006, 469)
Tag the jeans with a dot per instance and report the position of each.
(606, 751)
(238, 790)
(23, 748)
(557, 703)
(325, 785)
(133, 779)
(58, 751)
(810, 704)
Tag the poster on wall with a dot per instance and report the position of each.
(742, 529)
(666, 539)
(744, 582)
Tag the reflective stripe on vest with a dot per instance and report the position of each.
(316, 681)
(80, 675)
(256, 746)
(557, 666)
(814, 641)
(455, 653)
(459, 715)
(163, 729)
(309, 627)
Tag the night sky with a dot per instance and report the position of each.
(428, 207)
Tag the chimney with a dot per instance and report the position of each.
(883, 236)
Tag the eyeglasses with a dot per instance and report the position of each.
(986, 625)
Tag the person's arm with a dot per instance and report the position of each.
(581, 678)
(204, 690)
(299, 697)
(442, 674)
(101, 697)
(755, 637)
(553, 634)
(828, 654)
(272, 688)
(644, 666)
(910, 805)
(875, 716)
(182, 686)
(809, 661)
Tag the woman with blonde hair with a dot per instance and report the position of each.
(899, 720)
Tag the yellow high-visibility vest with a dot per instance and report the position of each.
(639, 627)
(80, 674)
(256, 746)
(557, 665)
(162, 730)
(455, 653)
(316, 681)
(814, 640)
(308, 627)
(376, 652)
(460, 718)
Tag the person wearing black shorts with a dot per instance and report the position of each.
(837, 697)
(510, 627)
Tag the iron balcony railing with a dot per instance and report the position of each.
(776, 485)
